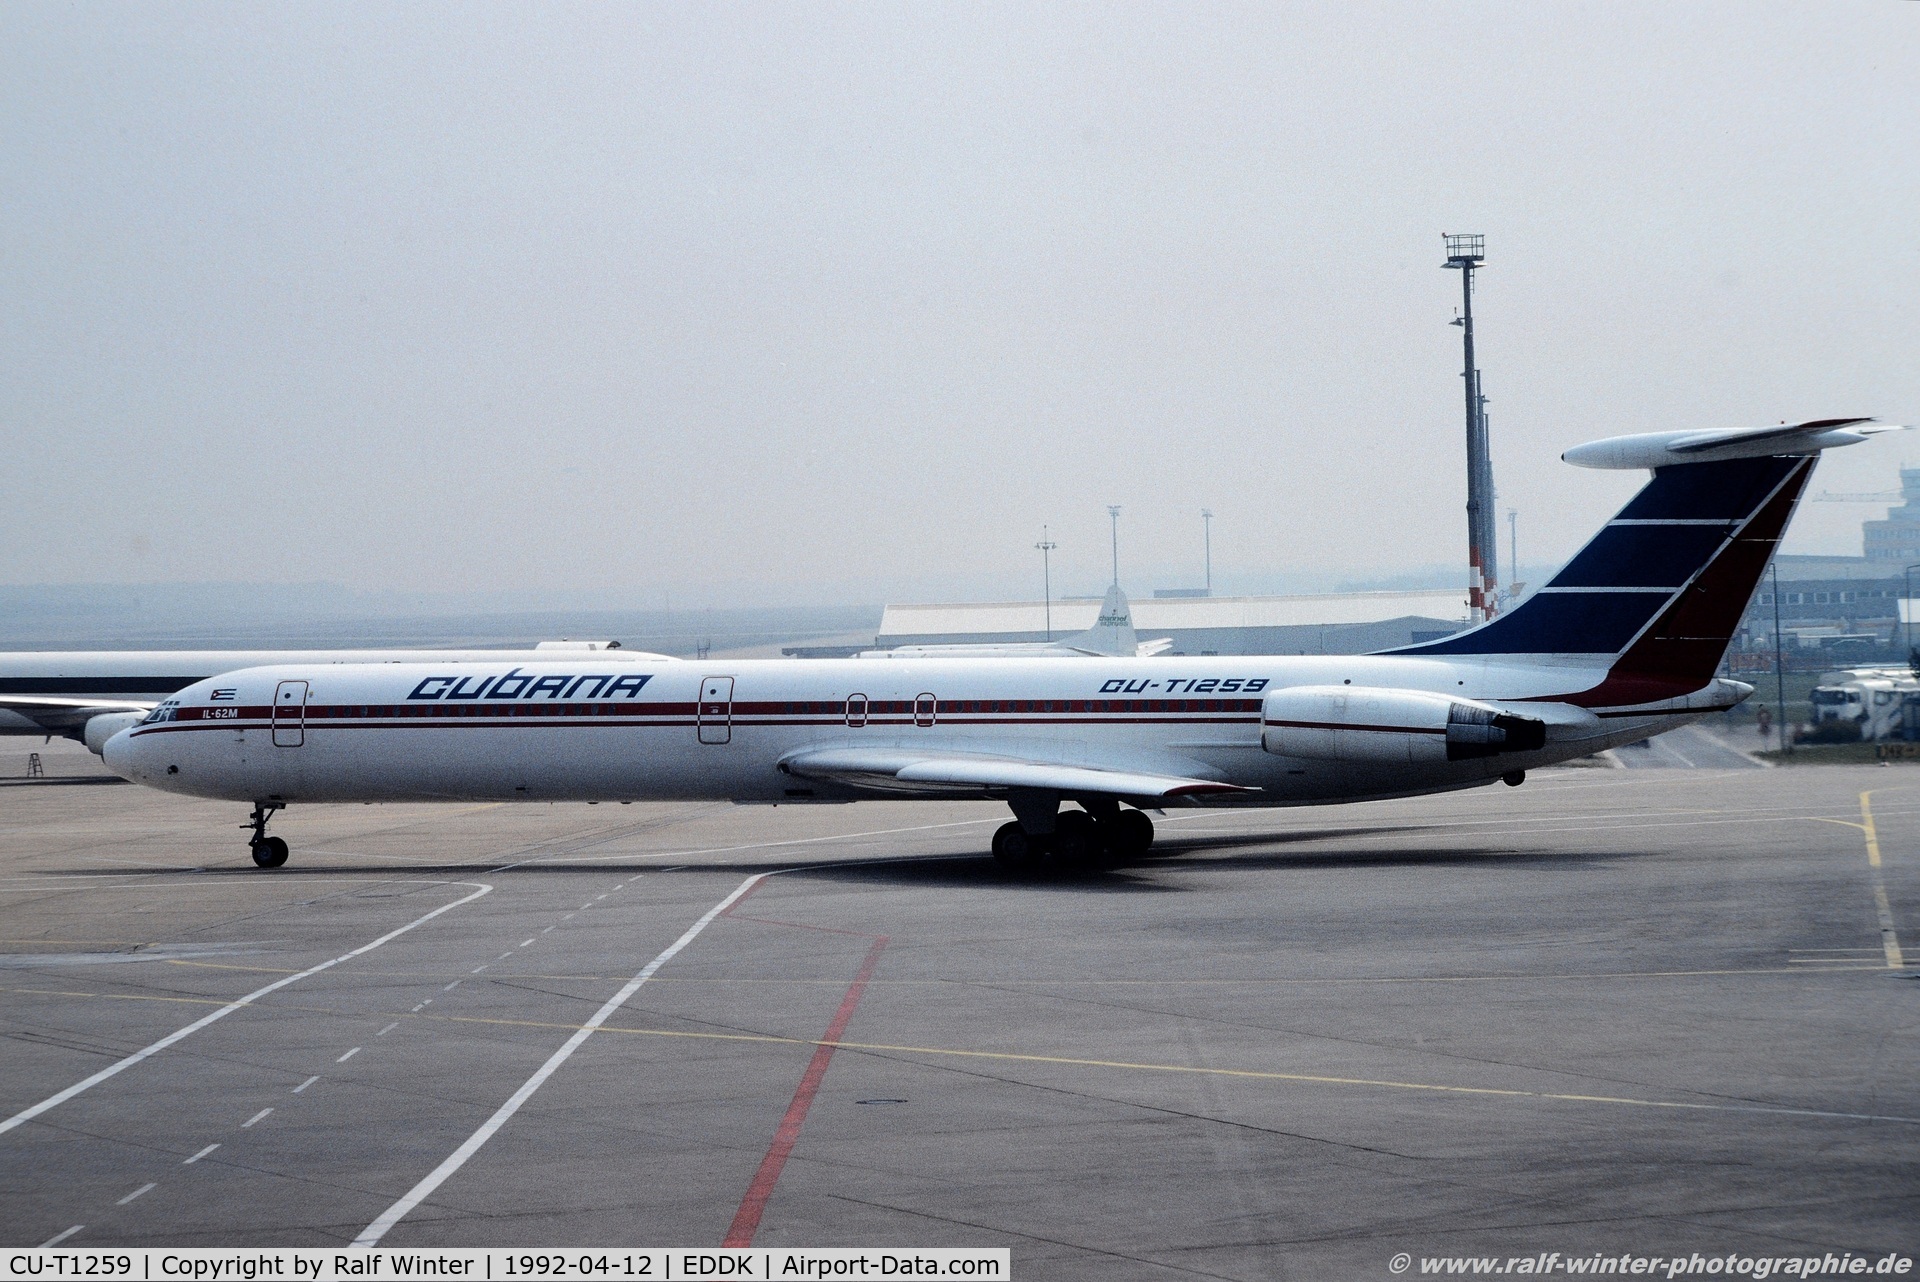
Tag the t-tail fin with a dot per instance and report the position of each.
(1111, 633)
(1655, 597)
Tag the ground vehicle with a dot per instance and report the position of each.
(1869, 697)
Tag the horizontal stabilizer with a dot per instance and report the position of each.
(1668, 449)
(902, 770)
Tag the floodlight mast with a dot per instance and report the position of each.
(1045, 548)
(1465, 253)
(1206, 518)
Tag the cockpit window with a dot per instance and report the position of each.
(165, 712)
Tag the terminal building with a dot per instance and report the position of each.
(1894, 542)
(1841, 607)
(1847, 606)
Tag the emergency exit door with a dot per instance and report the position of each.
(290, 714)
(713, 715)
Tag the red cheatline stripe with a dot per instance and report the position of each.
(746, 1221)
(629, 720)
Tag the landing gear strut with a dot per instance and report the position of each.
(268, 852)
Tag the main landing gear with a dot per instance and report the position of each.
(268, 852)
(1081, 840)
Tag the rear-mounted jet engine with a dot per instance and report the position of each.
(1362, 723)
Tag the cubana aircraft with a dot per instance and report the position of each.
(1623, 643)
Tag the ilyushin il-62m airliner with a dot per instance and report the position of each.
(1623, 643)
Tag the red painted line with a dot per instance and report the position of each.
(629, 721)
(746, 1221)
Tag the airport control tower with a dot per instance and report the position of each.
(1465, 253)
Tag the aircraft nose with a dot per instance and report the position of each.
(120, 753)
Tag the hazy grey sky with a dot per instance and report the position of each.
(772, 302)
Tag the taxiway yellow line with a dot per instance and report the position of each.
(1244, 1074)
(1889, 941)
(1321, 1079)
(1870, 833)
(1281, 981)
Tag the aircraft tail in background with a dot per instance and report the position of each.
(1111, 636)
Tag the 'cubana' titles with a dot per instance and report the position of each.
(516, 684)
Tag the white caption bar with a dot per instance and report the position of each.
(693, 1264)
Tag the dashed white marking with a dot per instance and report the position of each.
(504, 956)
(61, 1236)
(420, 1007)
(388, 1029)
(143, 1189)
(256, 1117)
(598, 898)
(570, 916)
(303, 1086)
(349, 1055)
(203, 1152)
(477, 969)
(756, 845)
(549, 928)
(60, 1097)
(525, 942)
(450, 987)
(424, 1189)
(585, 906)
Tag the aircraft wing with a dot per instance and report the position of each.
(902, 770)
(45, 714)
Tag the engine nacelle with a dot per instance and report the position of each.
(108, 724)
(1366, 723)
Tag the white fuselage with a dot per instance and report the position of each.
(586, 730)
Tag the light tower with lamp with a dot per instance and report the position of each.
(1206, 518)
(1465, 253)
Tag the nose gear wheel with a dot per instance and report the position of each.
(268, 852)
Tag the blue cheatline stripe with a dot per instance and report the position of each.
(1567, 620)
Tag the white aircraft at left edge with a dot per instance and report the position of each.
(1624, 642)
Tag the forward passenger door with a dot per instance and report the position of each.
(713, 715)
(290, 714)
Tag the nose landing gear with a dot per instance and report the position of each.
(268, 852)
